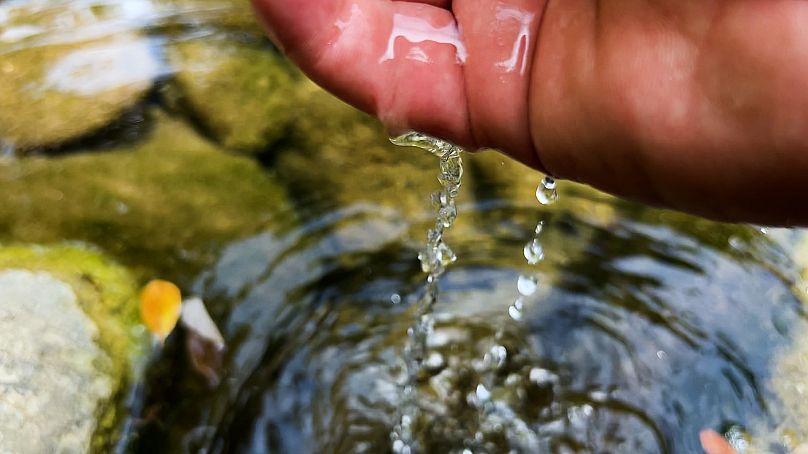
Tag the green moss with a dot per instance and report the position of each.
(237, 15)
(242, 93)
(164, 207)
(107, 292)
(338, 155)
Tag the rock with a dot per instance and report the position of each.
(163, 206)
(73, 83)
(336, 155)
(235, 15)
(67, 346)
(241, 93)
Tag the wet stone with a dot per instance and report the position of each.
(164, 205)
(67, 348)
(241, 92)
(70, 87)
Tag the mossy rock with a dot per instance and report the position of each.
(106, 294)
(336, 155)
(235, 15)
(55, 93)
(164, 206)
(242, 93)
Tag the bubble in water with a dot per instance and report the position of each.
(736, 436)
(547, 192)
(527, 285)
(534, 252)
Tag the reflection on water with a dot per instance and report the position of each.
(641, 341)
(647, 326)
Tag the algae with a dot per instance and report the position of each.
(163, 206)
(242, 93)
(106, 292)
(235, 15)
(336, 155)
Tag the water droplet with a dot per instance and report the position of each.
(496, 357)
(483, 395)
(515, 313)
(661, 354)
(735, 242)
(599, 396)
(447, 214)
(527, 285)
(434, 361)
(395, 298)
(534, 252)
(542, 377)
(547, 193)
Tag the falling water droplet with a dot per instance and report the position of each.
(547, 193)
(527, 285)
(534, 252)
(515, 310)
(395, 298)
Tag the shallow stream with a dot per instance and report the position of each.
(217, 165)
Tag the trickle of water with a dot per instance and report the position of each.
(492, 412)
(434, 259)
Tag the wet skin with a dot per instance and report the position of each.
(697, 105)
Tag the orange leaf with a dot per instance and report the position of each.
(160, 306)
(713, 443)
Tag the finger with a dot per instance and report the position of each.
(398, 60)
(501, 40)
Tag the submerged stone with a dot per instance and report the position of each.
(164, 206)
(58, 85)
(68, 346)
(224, 14)
(241, 93)
(335, 154)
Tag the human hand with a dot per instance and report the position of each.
(698, 105)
